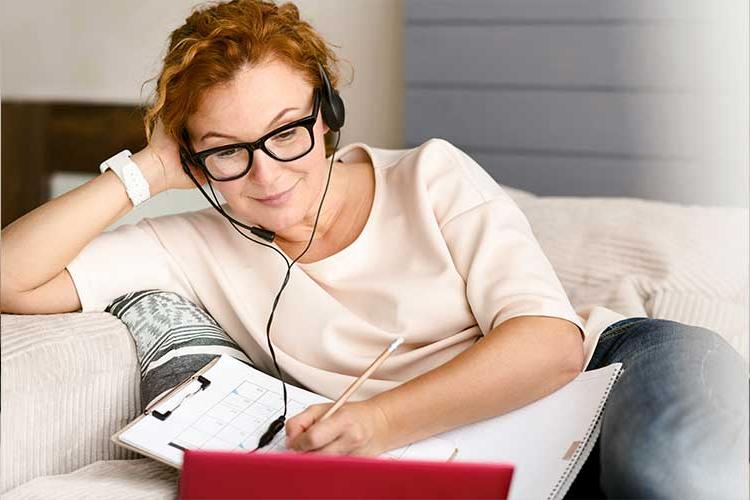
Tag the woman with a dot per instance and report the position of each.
(421, 243)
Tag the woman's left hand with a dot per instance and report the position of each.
(357, 428)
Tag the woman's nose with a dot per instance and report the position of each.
(263, 169)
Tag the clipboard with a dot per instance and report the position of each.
(159, 430)
(197, 376)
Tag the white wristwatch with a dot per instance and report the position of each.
(135, 184)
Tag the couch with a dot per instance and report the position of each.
(70, 381)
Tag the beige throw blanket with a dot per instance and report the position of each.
(687, 263)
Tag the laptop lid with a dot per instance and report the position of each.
(227, 474)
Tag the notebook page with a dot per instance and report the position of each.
(233, 412)
(537, 437)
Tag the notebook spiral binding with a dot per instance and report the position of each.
(583, 451)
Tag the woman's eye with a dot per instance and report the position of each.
(286, 135)
(227, 153)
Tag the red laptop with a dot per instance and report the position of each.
(220, 474)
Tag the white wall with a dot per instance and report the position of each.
(103, 51)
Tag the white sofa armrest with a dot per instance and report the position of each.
(69, 381)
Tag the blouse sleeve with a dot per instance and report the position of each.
(494, 249)
(126, 259)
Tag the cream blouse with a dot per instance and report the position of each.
(445, 256)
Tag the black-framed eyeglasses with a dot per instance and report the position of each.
(286, 143)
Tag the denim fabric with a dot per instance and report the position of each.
(676, 422)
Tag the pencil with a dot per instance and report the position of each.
(374, 366)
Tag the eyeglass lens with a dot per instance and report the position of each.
(286, 145)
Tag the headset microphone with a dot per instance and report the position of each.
(263, 233)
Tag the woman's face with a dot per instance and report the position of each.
(259, 99)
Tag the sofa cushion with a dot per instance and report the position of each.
(144, 479)
(69, 381)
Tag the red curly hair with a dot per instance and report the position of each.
(217, 40)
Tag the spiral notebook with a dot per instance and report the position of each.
(228, 404)
(547, 441)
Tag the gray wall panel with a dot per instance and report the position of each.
(600, 123)
(554, 10)
(613, 57)
(639, 98)
(676, 182)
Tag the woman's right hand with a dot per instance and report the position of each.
(161, 159)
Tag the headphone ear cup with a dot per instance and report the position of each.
(332, 105)
(333, 112)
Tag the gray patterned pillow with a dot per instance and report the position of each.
(174, 338)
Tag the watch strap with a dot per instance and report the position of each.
(131, 176)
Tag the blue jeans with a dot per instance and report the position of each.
(676, 422)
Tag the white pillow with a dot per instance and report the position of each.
(687, 263)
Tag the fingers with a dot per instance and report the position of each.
(346, 443)
(304, 420)
(318, 437)
(348, 431)
(338, 447)
(338, 434)
(307, 433)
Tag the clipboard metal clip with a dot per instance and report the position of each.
(163, 416)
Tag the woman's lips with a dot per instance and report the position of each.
(278, 199)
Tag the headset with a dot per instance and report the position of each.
(332, 109)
